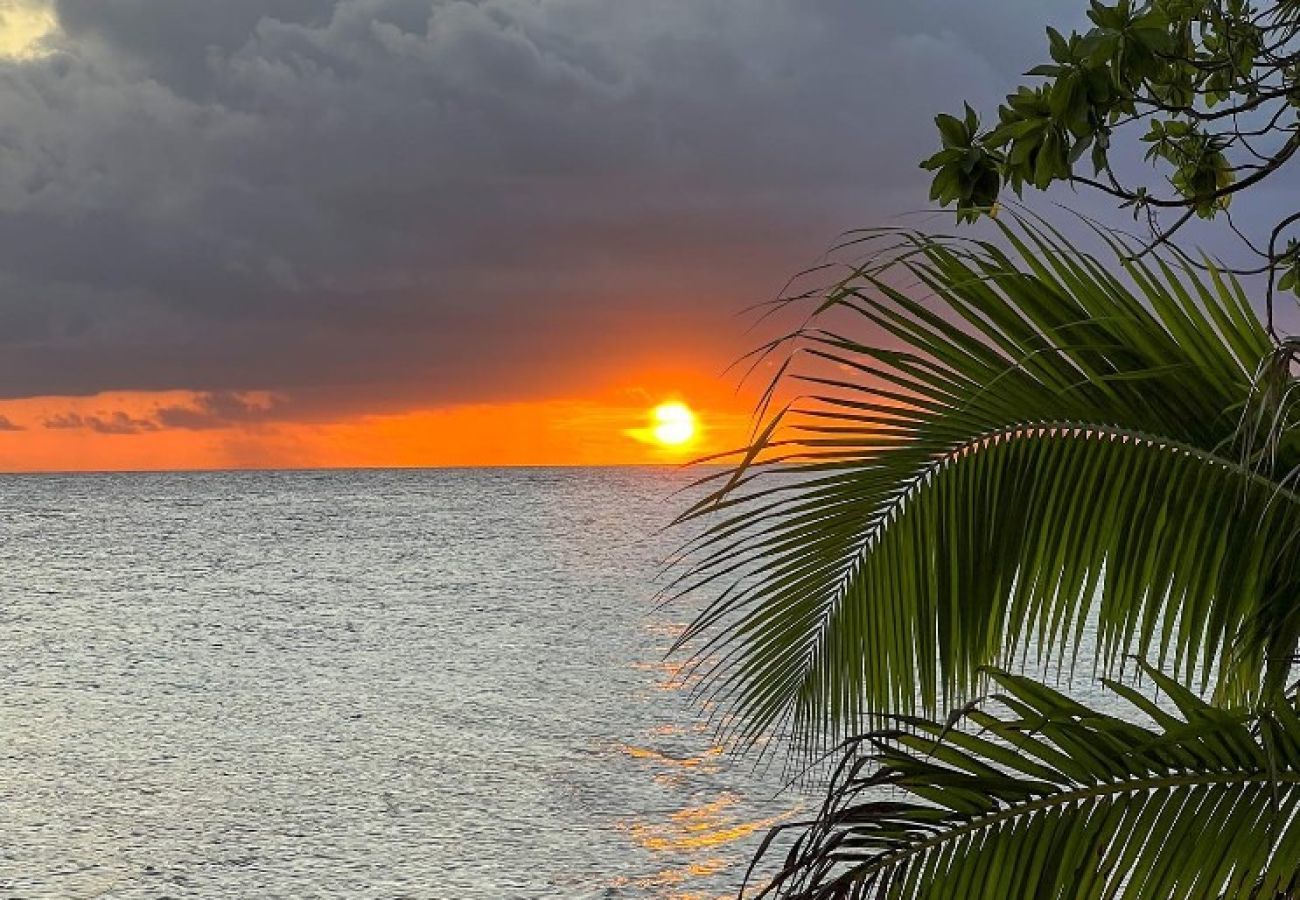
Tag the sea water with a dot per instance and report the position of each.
(367, 684)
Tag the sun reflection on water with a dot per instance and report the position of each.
(701, 843)
(706, 826)
(705, 761)
(672, 630)
(670, 676)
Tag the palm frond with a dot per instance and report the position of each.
(979, 472)
(1052, 799)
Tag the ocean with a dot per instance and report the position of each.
(365, 684)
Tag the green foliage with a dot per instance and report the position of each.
(967, 174)
(1200, 168)
(1216, 83)
(1290, 280)
(1052, 800)
(1040, 444)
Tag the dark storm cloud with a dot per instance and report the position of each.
(434, 202)
(173, 39)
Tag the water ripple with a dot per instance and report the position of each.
(360, 684)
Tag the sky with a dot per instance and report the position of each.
(283, 233)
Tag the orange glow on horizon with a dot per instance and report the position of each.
(139, 431)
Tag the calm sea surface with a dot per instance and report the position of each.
(424, 684)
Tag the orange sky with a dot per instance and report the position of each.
(579, 292)
(127, 431)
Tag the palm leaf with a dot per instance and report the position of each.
(977, 475)
(1051, 799)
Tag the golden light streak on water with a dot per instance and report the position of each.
(677, 838)
(707, 826)
(672, 630)
(701, 838)
(673, 877)
(706, 761)
(672, 676)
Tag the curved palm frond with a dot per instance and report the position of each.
(1035, 445)
(1052, 800)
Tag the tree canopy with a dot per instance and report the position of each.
(1003, 458)
(973, 477)
(1009, 452)
(1042, 796)
(1208, 89)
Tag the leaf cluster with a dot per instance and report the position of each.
(1038, 445)
(1212, 87)
(1052, 800)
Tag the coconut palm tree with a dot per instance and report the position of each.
(1059, 800)
(1003, 456)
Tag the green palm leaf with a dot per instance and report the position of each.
(979, 474)
(1052, 800)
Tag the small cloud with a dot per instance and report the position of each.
(219, 409)
(7, 424)
(116, 423)
(65, 421)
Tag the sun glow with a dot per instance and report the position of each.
(151, 430)
(674, 424)
(23, 25)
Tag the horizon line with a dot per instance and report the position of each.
(268, 470)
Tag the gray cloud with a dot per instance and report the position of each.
(113, 423)
(217, 410)
(203, 412)
(428, 202)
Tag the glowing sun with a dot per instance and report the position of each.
(674, 424)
